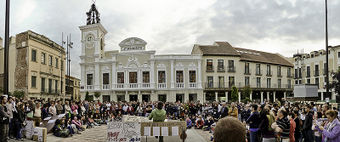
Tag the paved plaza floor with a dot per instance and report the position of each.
(99, 134)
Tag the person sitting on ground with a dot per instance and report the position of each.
(189, 123)
(59, 131)
(76, 122)
(199, 123)
(229, 129)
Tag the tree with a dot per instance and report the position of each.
(87, 97)
(234, 94)
(19, 94)
(335, 84)
(246, 92)
(97, 94)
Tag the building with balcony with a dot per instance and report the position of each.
(310, 69)
(134, 73)
(268, 75)
(72, 87)
(36, 66)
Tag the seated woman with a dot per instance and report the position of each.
(59, 130)
(78, 124)
(189, 123)
(199, 123)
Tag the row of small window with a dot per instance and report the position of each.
(43, 59)
(220, 65)
(43, 84)
(298, 71)
(146, 77)
(246, 81)
(231, 67)
(316, 81)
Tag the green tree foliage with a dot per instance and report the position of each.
(88, 97)
(234, 94)
(335, 84)
(19, 94)
(246, 92)
(97, 94)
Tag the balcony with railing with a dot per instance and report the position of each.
(247, 72)
(192, 85)
(220, 69)
(179, 85)
(145, 85)
(133, 85)
(258, 73)
(89, 87)
(119, 85)
(161, 85)
(106, 86)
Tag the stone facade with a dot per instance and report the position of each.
(35, 58)
(310, 69)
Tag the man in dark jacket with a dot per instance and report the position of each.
(253, 121)
(307, 125)
(224, 110)
(4, 119)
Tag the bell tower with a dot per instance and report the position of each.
(93, 35)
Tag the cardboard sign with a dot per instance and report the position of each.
(162, 128)
(123, 132)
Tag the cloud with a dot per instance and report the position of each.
(173, 26)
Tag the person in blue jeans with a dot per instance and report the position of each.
(253, 121)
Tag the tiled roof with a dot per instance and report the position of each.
(220, 49)
(225, 49)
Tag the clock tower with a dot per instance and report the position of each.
(92, 35)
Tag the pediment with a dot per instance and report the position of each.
(132, 44)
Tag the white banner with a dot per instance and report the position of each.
(123, 132)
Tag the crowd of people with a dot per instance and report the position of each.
(267, 122)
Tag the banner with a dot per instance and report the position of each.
(123, 132)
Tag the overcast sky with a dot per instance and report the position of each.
(174, 26)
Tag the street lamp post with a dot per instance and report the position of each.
(326, 41)
(5, 83)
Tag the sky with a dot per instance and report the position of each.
(174, 26)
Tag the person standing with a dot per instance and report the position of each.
(331, 132)
(307, 125)
(158, 115)
(224, 110)
(4, 120)
(233, 110)
(253, 121)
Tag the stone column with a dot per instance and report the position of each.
(113, 75)
(285, 95)
(97, 77)
(152, 74)
(268, 98)
(226, 96)
(261, 97)
(139, 96)
(199, 79)
(274, 94)
(204, 95)
(216, 96)
(127, 97)
(172, 74)
(322, 96)
(113, 96)
(153, 96)
(239, 96)
(186, 97)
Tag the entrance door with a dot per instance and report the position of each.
(146, 98)
(133, 98)
(106, 98)
(180, 97)
(162, 98)
(192, 97)
(120, 98)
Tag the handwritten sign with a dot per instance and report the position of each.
(123, 132)
(165, 128)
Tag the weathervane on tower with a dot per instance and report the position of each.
(93, 15)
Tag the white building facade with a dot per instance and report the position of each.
(134, 73)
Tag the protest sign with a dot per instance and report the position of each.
(123, 132)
